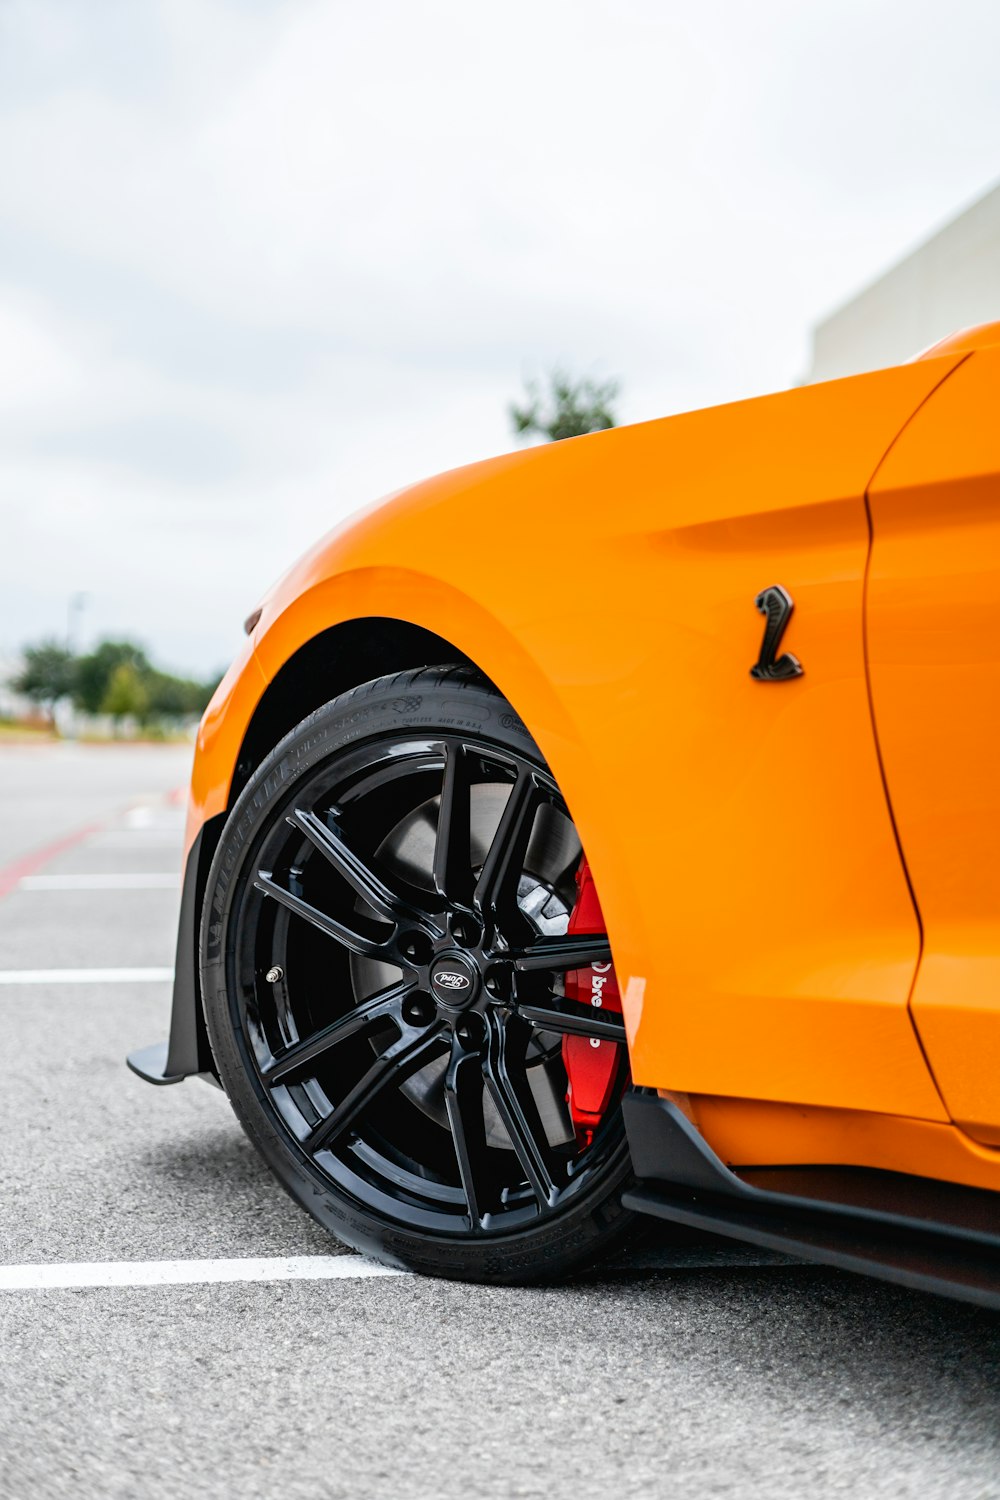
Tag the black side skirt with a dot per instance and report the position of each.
(920, 1233)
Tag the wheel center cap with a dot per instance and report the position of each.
(454, 981)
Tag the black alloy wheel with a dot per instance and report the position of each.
(384, 955)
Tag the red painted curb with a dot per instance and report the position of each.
(11, 875)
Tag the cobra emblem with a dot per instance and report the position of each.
(776, 605)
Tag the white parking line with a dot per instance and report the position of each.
(86, 976)
(188, 1272)
(149, 818)
(103, 1273)
(139, 838)
(168, 880)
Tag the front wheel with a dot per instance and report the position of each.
(409, 991)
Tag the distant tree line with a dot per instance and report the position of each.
(116, 678)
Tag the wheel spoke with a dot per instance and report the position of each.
(453, 842)
(601, 1024)
(495, 894)
(574, 951)
(359, 875)
(507, 1081)
(293, 1059)
(354, 941)
(463, 1094)
(392, 1068)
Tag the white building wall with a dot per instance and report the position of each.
(950, 282)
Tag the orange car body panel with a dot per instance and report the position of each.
(756, 1132)
(220, 735)
(765, 935)
(934, 643)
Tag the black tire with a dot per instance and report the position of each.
(420, 1174)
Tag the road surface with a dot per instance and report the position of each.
(694, 1369)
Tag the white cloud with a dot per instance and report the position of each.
(262, 262)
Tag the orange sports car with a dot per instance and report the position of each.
(613, 829)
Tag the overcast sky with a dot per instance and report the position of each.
(263, 262)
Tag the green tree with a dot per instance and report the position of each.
(126, 696)
(98, 684)
(176, 697)
(49, 674)
(568, 408)
(94, 672)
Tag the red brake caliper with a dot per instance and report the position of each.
(591, 1063)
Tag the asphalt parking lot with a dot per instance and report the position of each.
(688, 1368)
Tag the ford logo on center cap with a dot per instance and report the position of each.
(449, 980)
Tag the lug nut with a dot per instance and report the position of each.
(418, 1010)
(465, 930)
(493, 982)
(273, 975)
(415, 947)
(471, 1031)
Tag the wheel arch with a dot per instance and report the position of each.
(340, 657)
